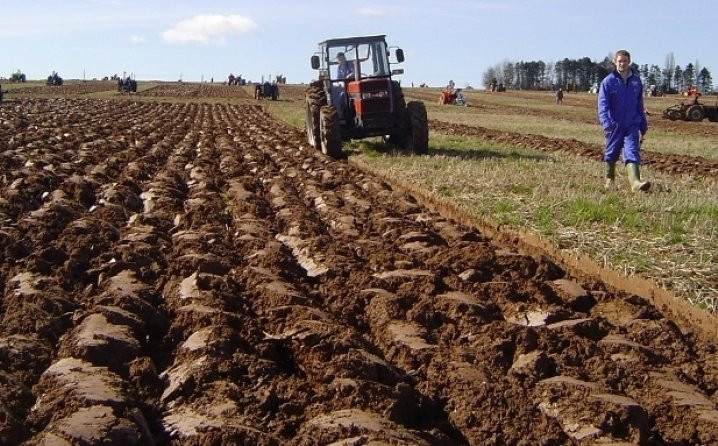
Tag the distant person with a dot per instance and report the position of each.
(621, 113)
(559, 96)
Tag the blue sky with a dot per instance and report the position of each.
(442, 40)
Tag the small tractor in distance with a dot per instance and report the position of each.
(54, 79)
(452, 96)
(266, 90)
(692, 110)
(127, 85)
(364, 102)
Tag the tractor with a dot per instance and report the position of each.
(453, 97)
(266, 90)
(127, 85)
(18, 76)
(54, 79)
(364, 101)
(692, 110)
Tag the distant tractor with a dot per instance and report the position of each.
(266, 90)
(690, 91)
(127, 85)
(365, 102)
(453, 97)
(692, 110)
(54, 79)
(232, 80)
(18, 77)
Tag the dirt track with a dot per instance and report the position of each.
(194, 274)
(690, 165)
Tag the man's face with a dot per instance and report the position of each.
(622, 63)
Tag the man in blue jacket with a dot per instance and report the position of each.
(622, 116)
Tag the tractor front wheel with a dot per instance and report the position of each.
(331, 140)
(417, 138)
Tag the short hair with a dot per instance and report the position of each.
(622, 53)
(340, 54)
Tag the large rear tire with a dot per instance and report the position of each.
(417, 128)
(314, 98)
(397, 136)
(331, 138)
(695, 113)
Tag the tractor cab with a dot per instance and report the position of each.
(356, 97)
(368, 57)
(357, 73)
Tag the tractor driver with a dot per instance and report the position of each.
(345, 70)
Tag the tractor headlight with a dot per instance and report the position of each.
(375, 94)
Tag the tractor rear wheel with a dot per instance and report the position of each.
(417, 128)
(331, 139)
(695, 113)
(397, 136)
(314, 99)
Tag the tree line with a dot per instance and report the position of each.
(584, 74)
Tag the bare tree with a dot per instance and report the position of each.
(697, 72)
(668, 70)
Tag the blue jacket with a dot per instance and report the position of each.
(620, 103)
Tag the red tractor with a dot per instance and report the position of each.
(355, 97)
(453, 97)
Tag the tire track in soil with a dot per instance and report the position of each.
(675, 164)
(198, 275)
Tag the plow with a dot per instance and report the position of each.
(693, 110)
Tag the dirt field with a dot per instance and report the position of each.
(194, 274)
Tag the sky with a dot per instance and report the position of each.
(197, 40)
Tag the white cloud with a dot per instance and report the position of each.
(371, 11)
(134, 38)
(207, 29)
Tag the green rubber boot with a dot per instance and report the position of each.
(610, 175)
(634, 178)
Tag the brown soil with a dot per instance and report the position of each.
(67, 88)
(195, 274)
(193, 90)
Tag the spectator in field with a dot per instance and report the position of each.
(559, 96)
(621, 114)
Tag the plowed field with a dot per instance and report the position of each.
(195, 274)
